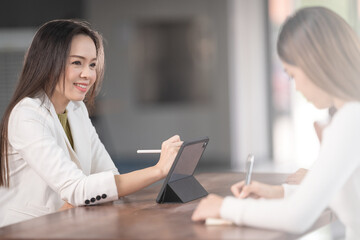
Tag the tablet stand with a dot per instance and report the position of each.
(180, 185)
(182, 191)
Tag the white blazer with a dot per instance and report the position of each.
(44, 169)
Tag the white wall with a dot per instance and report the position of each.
(130, 125)
(249, 115)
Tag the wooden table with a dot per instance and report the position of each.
(139, 217)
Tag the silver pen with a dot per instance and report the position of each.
(249, 168)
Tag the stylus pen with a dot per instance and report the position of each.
(149, 151)
(249, 168)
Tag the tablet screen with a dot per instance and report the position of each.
(187, 161)
(180, 184)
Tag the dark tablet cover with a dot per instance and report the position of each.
(180, 185)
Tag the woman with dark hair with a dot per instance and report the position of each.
(50, 154)
(321, 52)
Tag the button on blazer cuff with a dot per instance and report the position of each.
(100, 188)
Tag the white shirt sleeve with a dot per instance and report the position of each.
(289, 189)
(338, 159)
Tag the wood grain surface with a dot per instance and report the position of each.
(138, 216)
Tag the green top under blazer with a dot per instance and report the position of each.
(65, 124)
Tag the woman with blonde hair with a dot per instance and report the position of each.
(50, 154)
(321, 52)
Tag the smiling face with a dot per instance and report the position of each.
(310, 91)
(80, 73)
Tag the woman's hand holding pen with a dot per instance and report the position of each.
(257, 190)
(169, 150)
(209, 207)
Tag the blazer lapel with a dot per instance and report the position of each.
(80, 135)
(81, 152)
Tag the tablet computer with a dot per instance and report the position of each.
(180, 185)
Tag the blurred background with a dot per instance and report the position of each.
(191, 67)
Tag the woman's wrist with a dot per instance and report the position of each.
(158, 171)
(279, 191)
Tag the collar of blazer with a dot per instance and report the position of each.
(72, 106)
(81, 154)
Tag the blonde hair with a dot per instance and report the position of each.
(326, 48)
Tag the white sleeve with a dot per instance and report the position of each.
(289, 189)
(101, 160)
(338, 157)
(31, 134)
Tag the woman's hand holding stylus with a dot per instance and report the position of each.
(169, 150)
(257, 190)
(134, 181)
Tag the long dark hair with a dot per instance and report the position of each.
(44, 65)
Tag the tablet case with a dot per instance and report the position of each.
(184, 188)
